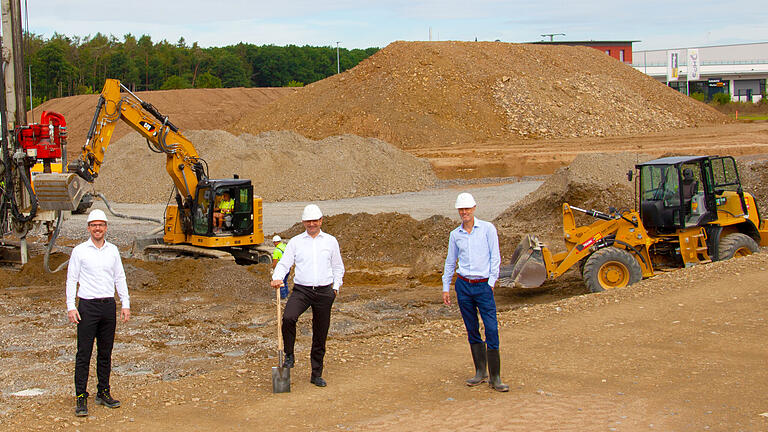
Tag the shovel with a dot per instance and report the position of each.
(281, 376)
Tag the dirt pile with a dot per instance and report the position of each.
(592, 181)
(378, 242)
(427, 94)
(188, 109)
(283, 166)
(754, 178)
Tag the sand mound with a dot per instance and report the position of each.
(426, 94)
(592, 181)
(283, 166)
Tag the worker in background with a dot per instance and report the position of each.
(475, 246)
(276, 255)
(96, 266)
(316, 282)
(224, 209)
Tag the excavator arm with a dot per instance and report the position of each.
(182, 161)
(186, 168)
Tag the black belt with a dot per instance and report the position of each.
(314, 288)
(99, 300)
(471, 280)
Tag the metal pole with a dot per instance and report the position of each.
(338, 65)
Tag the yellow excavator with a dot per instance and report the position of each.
(692, 210)
(189, 228)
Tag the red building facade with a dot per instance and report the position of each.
(620, 50)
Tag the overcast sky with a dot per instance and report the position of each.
(361, 24)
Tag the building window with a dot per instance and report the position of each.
(621, 55)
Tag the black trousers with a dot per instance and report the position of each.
(98, 319)
(320, 300)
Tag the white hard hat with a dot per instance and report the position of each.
(311, 212)
(276, 238)
(96, 215)
(465, 200)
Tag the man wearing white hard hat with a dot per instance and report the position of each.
(276, 255)
(316, 282)
(95, 271)
(473, 254)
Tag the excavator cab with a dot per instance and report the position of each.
(208, 200)
(678, 192)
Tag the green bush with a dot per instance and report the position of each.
(294, 83)
(208, 80)
(721, 99)
(701, 97)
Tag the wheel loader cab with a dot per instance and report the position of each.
(677, 193)
(211, 198)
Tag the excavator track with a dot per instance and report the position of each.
(171, 252)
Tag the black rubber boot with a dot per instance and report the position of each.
(494, 368)
(479, 358)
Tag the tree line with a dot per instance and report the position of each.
(65, 66)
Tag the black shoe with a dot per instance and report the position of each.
(288, 362)
(318, 381)
(104, 398)
(81, 410)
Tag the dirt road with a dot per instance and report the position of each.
(684, 351)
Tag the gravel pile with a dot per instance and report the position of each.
(434, 94)
(283, 166)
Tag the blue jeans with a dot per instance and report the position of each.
(474, 298)
(284, 288)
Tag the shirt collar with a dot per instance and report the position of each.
(306, 234)
(475, 224)
(93, 245)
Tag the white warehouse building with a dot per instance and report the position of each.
(739, 70)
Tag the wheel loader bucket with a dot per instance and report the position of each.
(56, 191)
(527, 268)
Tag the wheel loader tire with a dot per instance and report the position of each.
(736, 245)
(609, 268)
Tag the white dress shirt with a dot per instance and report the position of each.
(99, 271)
(318, 261)
(477, 253)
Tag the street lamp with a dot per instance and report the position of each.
(552, 35)
(338, 65)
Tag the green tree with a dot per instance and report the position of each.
(231, 71)
(208, 80)
(175, 82)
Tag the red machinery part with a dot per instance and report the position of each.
(36, 139)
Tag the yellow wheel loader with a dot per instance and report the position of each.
(692, 210)
(189, 228)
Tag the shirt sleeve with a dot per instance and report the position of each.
(120, 283)
(493, 244)
(450, 263)
(286, 261)
(73, 274)
(337, 265)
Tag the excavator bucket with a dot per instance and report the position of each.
(527, 268)
(57, 191)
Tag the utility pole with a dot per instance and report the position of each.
(552, 35)
(338, 65)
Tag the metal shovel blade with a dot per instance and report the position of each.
(281, 379)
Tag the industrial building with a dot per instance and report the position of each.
(739, 70)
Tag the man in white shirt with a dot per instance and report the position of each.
(316, 281)
(96, 267)
(473, 254)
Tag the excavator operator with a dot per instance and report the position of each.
(223, 209)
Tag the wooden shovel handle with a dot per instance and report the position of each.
(279, 322)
